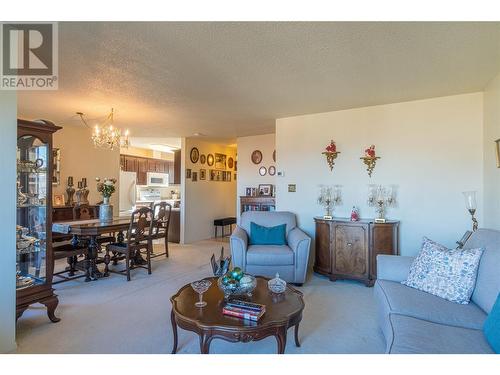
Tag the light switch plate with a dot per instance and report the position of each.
(292, 188)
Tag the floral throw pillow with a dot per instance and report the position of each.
(449, 274)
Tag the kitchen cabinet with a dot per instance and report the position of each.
(174, 228)
(176, 168)
(142, 166)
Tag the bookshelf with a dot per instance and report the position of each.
(257, 203)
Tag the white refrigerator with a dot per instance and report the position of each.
(128, 191)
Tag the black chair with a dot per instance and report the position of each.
(162, 212)
(139, 237)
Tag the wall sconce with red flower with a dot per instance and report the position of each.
(370, 159)
(331, 154)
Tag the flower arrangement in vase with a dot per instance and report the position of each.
(370, 159)
(331, 154)
(106, 187)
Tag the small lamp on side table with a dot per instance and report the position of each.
(471, 205)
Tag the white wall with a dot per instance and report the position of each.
(8, 124)
(206, 200)
(432, 149)
(248, 172)
(79, 158)
(491, 172)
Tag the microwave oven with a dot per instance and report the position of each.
(157, 179)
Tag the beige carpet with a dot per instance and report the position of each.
(115, 316)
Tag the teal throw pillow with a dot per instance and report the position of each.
(260, 235)
(492, 326)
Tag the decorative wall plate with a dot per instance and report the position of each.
(210, 160)
(256, 157)
(203, 159)
(271, 170)
(262, 171)
(194, 155)
(230, 162)
(274, 156)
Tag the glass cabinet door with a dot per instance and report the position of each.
(31, 230)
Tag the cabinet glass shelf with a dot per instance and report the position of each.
(32, 184)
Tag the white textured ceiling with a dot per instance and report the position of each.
(233, 79)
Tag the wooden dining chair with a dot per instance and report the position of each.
(139, 237)
(70, 251)
(162, 212)
(85, 211)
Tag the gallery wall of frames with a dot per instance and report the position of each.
(210, 175)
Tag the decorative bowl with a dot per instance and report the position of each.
(245, 286)
(277, 285)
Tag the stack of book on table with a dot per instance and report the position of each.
(244, 310)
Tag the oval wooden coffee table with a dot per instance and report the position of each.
(282, 312)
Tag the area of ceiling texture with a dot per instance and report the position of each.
(224, 79)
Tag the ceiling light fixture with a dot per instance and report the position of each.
(106, 135)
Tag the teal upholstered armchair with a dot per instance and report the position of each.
(289, 260)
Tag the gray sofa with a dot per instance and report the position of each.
(417, 322)
(290, 260)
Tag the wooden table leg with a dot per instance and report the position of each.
(281, 339)
(297, 343)
(92, 270)
(107, 259)
(174, 329)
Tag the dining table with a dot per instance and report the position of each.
(92, 229)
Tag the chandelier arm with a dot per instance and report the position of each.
(83, 119)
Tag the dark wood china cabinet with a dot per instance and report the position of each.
(34, 216)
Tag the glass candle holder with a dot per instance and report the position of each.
(471, 205)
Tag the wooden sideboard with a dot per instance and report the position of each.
(348, 249)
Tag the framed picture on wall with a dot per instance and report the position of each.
(266, 190)
(248, 191)
(58, 200)
(188, 173)
(220, 161)
(203, 174)
(194, 155)
(194, 176)
(215, 175)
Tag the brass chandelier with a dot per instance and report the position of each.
(106, 135)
